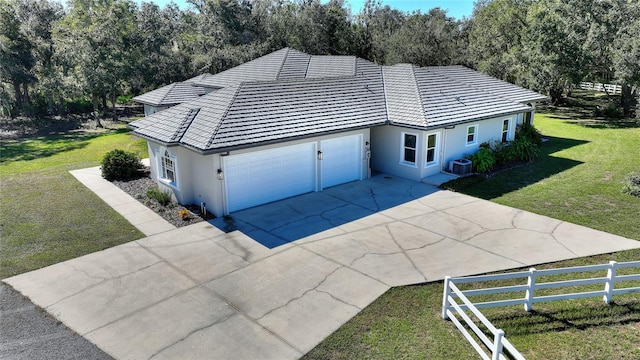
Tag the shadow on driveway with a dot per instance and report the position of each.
(283, 221)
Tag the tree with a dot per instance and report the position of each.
(376, 25)
(97, 36)
(424, 39)
(555, 55)
(626, 53)
(495, 38)
(16, 56)
(163, 58)
(37, 18)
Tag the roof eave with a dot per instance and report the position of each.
(458, 122)
(277, 141)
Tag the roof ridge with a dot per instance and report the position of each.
(355, 65)
(386, 97)
(284, 61)
(420, 100)
(226, 111)
(169, 88)
(184, 125)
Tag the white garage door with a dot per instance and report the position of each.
(260, 177)
(342, 160)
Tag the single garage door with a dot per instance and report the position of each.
(263, 176)
(341, 160)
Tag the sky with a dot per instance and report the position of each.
(455, 8)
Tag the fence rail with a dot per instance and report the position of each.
(608, 88)
(456, 312)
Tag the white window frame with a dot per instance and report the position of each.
(506, 138)
(475, 135)
(162, 156)
(435, 148)
(403, 148)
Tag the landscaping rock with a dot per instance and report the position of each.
(138, 188)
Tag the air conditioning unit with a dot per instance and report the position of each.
(460, 166)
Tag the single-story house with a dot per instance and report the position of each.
(289, 123)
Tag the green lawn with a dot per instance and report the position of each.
(406, 323)
(46, 216)
(578, 178)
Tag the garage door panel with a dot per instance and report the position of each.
(260, 177)
(342, 160)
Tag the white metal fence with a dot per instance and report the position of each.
(456, 312)
(608, 88)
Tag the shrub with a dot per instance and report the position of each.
(522, 149)
(163, 197)
(503, 154)
(632, 186)
(528, 131)
(483, 160)
(184, 214)
(120, 165)
(78, 106)
(124, 99)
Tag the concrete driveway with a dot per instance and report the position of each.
(215, 291)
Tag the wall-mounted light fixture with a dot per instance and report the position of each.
(220, 174)
(319, 155)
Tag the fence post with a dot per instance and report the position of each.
(445, 297)
(610, 284)
(531, 285)
(497, 345)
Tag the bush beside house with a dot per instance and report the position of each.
(497, 155)
(120, 165)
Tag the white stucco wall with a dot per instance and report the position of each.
(196, 180)
(196, 174)
(149, 109)
(386, 142)
(386, 146)
(455, 145)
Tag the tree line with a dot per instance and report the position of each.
(91, 54)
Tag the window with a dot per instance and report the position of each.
(528, 117)
(432, 146)
(505, 130)
(409, 143)
(472, 134)
(168, 167)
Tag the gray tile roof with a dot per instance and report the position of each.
(253, 113)
(264, 68)
(402, 95)
(331, 66)
(487, 83)
(294, 66)
(447, 101)
(171, 94)
(288, 95)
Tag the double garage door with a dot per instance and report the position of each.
(264, 176)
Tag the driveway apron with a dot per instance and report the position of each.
(273, 281)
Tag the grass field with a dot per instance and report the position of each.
(46, 216)
(578, 178)
(406, 323)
